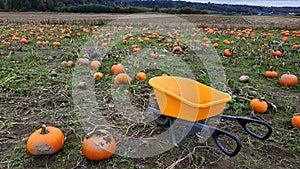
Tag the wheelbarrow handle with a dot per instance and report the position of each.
(244, 121)
(217, 133)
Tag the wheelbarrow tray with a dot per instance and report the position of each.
(187, 99)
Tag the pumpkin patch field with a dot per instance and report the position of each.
(74, 91)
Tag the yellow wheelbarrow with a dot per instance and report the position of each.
(191, 102)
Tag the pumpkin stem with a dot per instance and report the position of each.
(271, 68)
(44, 129)
(296, 114)
(261, 99)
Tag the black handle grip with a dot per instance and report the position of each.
(244, 121)
(217, 133)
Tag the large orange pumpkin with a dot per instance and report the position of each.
(288, 80)
(46, 140)
(98, 145)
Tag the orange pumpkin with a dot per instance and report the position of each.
(259, 105)
(227, 53)
(296, 120)
(141, 76)
(98, 145)
(216, 45)
(39, 43)
(122, 78)
(24, 41)
(67, 63)
(276, 53)
(98, 75)
(288, 80)
(227, 42)
(295, 46)
(124, 42)
(177, 49)
(137, 49)
(284, 39)
(56, 44)
(118, 68)
(95, 64)
(154, 55)
(271, 74)
(71, 63)
(46, 140)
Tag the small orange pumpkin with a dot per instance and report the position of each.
(288, 80)
(154, 55)
(216, 45)
(95, 64)
(118, 68)
(24, 41)
(39, 43)
(295, 46)
(296, 120)
(98, 145)
(122, 78)
(67, 63)
(98, 75)
(124, 42)
(276, 53)
(259, 105)
(284, 39)
(137, 49)
(227, 53)
(271, 74)
(141, 76)
(56, 44)
(46, 140)
(177, 49)
(227, 42)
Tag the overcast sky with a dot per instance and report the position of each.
(295, 3)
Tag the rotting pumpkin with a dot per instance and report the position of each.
(46, 140)
(95, 64)
(98, 145)
(122, 78)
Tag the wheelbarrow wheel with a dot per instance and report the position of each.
(161, 119)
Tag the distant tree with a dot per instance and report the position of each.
(37, 4)
(2, 4)
(26, 5)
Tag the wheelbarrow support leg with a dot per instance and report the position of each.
(171, 121)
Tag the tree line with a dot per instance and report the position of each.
(96, 6)
(133, 6)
